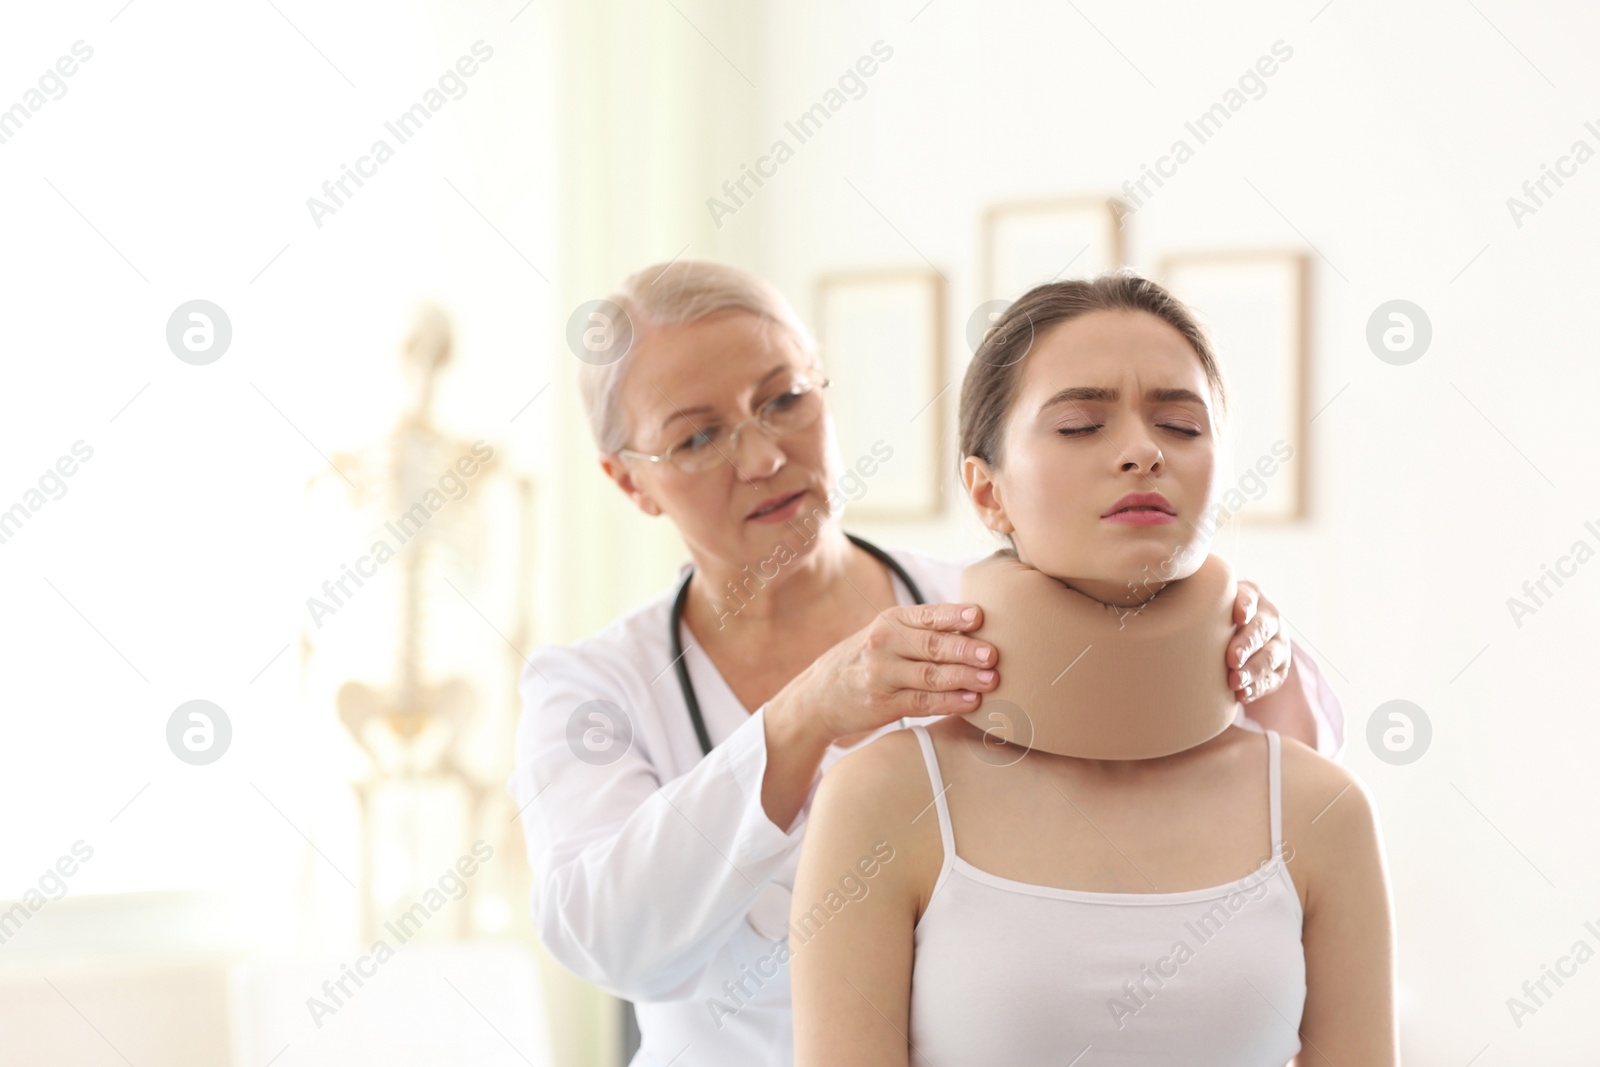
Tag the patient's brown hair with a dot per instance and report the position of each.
(995, 373)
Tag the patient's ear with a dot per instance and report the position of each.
(984, 489)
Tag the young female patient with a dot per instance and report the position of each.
(1225, 905)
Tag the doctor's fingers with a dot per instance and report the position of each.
(1265, 671)
(1261, 624)
(934, 632)
(933, 688)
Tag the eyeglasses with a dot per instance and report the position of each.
(711, 446)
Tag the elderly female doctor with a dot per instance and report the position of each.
(664, 766)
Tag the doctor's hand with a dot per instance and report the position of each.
(1258, 656)
(913, 660)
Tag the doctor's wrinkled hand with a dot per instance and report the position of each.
(1259, 655)
(1285, 692)
(911, 661)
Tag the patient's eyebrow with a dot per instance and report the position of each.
(1111, 396)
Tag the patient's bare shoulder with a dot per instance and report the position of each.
(881, 791)
(1329, 818)
(883, 774)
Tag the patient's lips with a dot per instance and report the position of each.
(1141, 509)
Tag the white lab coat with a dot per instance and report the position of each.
(658, 875)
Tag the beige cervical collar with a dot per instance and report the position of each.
(1086, 679)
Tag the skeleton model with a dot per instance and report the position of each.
(422, 798)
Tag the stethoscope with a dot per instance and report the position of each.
(677, 642)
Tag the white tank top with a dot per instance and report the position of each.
(1021, 974)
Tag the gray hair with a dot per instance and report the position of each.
(674, 294)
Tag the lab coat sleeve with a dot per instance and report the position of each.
(1325, 708)
(636, 883)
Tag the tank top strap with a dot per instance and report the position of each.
(946, 834)
(1275, 791)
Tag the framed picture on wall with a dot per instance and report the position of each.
(882, 339)
(1028, 243)
(1253, 303)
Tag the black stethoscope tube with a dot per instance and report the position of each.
(677, 642)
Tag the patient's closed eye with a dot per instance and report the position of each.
(1074, 431)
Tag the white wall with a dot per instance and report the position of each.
(177, 164)
(191, 141)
